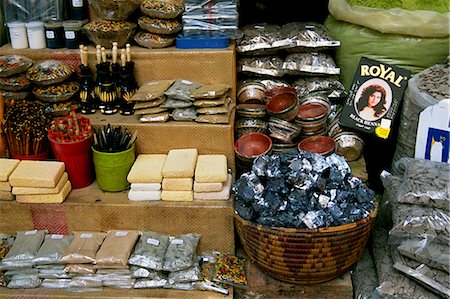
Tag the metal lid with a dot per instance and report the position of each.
(53, 24)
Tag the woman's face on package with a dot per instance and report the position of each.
(374, 99)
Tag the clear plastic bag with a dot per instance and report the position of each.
(210, 91)
(433, 254)
(157, 117)
(182, 89)
(80, 269)
(26, 245)
(86, 281)
(150, 250)
(139, 272)
(6, 242)
(186, 275)
(171, 103)
(55, 283)
(52, 249)
(434, 226)
(331, 84)
(306, 37)
(311, 63)
(184, 114)
(184, 286)
(83, 247)
(425, 183)
(258, 37)
(414, 102)
(262, 65)
(116, 249)
(144, 283)
(180, 252)
(393, 284)
(24, 282)
(152, 90)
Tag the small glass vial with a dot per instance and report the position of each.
(54, 34)
(36, 35)
(18, 35)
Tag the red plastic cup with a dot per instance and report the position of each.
(41, 156)
(77, 157)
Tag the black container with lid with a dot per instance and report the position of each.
(78, 9)
(54, 35)
(73, 33)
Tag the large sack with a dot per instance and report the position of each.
(430, 19)
(410, 52)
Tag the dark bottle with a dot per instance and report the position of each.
(127, 88)
(87, 95)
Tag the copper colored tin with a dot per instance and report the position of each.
(323, 145)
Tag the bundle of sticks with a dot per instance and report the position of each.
(25, 127)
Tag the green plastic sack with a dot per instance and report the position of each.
(430, 19)
(410, 52)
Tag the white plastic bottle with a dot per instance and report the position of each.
(36, 35)
(18, 35)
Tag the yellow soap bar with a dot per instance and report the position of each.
(207, 187)
(211, 169)
(31, 173)
(5, 186)
(224, 194)
(46, 198)
(7, 166)
(177, 195)
(147, 169)
(37, 190)
(177, 184)
(144, 195)
(180, 163)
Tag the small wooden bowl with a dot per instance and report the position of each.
(323, 145)
(252, 145)
(251, 92)
(283, 105)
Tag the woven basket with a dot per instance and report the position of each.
(305, 256)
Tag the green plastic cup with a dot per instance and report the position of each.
(111, 169)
